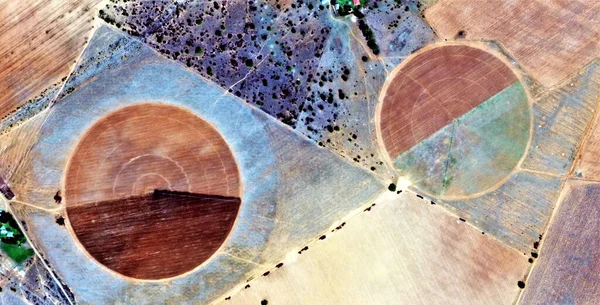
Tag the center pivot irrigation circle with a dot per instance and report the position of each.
(454, 120)
(152, 191)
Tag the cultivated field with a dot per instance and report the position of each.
(41, 40)
(551, 40)
(433, 88)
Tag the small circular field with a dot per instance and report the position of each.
(152, 191)
(454, 120)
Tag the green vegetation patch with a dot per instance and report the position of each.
(12, 240)
(347, 7)
(351, 3)
(18, 253)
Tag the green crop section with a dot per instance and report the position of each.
(12, 240)
(18, 253)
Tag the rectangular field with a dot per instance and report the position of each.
(568, 271)
(551, 40)
(40, 42)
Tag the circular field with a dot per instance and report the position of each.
(454, 120)
(152, 191)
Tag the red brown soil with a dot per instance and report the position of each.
(111, 200)
(154, 236)
(435, 87)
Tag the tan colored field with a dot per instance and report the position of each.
(568, 271)
(551, 40)
(145, 147)
(403, 250)
(40, 42)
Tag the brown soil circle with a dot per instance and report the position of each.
(152, 191)
(433, 88)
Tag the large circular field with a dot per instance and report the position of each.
(152, 191)
(454, 120)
